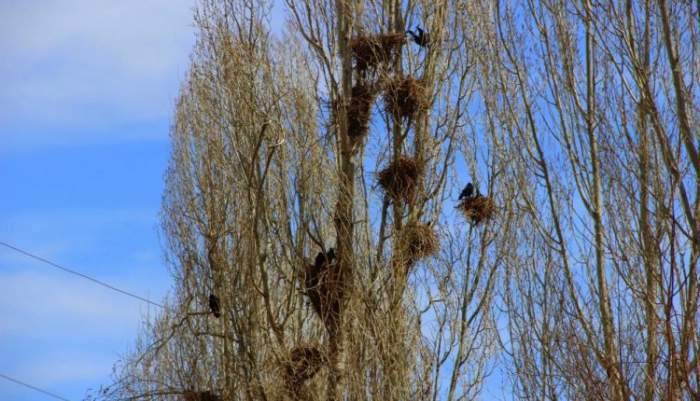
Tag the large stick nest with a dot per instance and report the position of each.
(405, 97)
(191, 395)
(323, 287)
(370, 51)
(400, 177)
(303, 364)
(360, 111)
(417, 242)
(477, 209)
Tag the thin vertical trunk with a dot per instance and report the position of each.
(394, 351)
(344, 210)
(690, 306)
(610, 357)
(649, 264)
(647, 240)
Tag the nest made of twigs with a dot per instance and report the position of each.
(372, 50)
(477, 209)
(405, 97)
(360, 111)
(322, 282)
(303, 364)
(417, 242)
(191, 395)
(400, 177)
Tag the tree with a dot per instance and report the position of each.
(275, 144)
(591, 105)
(313, 178)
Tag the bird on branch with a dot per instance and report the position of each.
(214, 305)
(421, 38)
(467, 192)
(325, 258)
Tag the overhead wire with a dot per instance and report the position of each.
(111, 287)
(58, 397)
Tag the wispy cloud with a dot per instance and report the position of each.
(60, 330)
(43, 305)
(61, 334)
(71, 67)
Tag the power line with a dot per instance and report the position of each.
(111, 287)
(58, 397)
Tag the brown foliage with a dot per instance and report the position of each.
(477, 209)
(370, 51)
(399, 179)
(405, 97)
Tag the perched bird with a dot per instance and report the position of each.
(214, 305)
(422, 38)
(467, 192)
(325, 258)
(320, 260)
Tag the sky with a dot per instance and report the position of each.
(87, 91)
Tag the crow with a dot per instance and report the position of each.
(467, 192)
(422, 38)
(325, 258)
(320, 260)
(214, 305)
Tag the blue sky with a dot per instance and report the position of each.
(86, 100)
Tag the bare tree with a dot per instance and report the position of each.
(312, 184)
(304, 216)
(592, 105)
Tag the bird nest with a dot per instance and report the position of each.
(322, 282)
(370, 51)
(400, 177)
(477, 209)
(302, 364)
(191, 395)
(405, 97)
(360, 111)
(417, 242)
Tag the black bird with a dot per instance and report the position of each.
(467, 192)
(214, 305)
(325, 258)
(422, 39)
(320, 260)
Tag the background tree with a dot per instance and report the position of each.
(592, 103)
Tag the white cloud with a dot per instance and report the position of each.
(71, 64)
